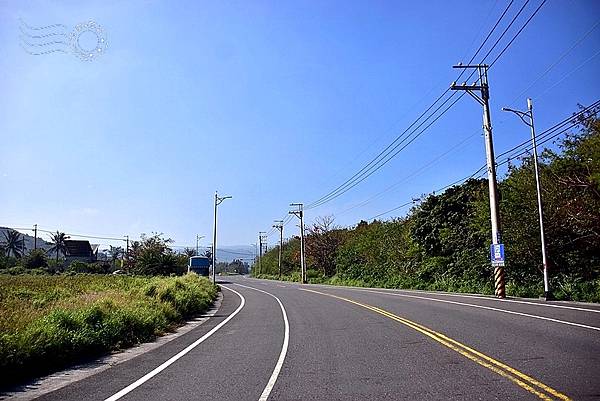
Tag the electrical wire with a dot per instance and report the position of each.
(545, 136)
(504, 32)
(392, 149)
(384, 156)
(557, 61)
(552, 129)
(571, 72)
(518, 33)
(74, 235)
(389, 156)
(411, 175)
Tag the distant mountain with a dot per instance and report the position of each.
(29, 240)
(228, 253)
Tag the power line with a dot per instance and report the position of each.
(547, 139)
(413, 174)
(504, 32)
(314, 204)
(555, 127)
(505, 48)
(384, 156)
(360, 175)
(234, 252)
(546, 136)
(555, 63)
(392, 149)
(518, 33)
(392, 210)
(571, 72)
(75, 235)
(389, 156)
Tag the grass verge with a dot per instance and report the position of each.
(564, 288)
(50, 322)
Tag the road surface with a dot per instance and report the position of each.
(284, 341)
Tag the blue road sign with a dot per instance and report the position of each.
(497, 254)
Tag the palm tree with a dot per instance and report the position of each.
(189, 252)
(59, 245)
(13, 243)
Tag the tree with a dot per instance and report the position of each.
(13, 244)
(189, 252)
(322, 244)
(236, 266)
(207, 254)
(36, 259)
(59, 244)
(451, 234)
(155, 257)
(115, 253)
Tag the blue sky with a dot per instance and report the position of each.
(270, 102)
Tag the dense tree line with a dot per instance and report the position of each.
(236, 266)
(443, 242)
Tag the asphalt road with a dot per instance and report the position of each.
(284, 341)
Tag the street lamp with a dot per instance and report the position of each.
(218, 201)
(279, 226)
(198, 238)
(522, 115)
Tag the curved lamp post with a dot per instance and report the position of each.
(218, 201)
(529, 122)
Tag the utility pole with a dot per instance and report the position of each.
(300, 214)
(261, 235)
(127, 251)
(35, 236)
(254, 266)
(522, 115)
(218, 201)
(279, 226)
(497, 248)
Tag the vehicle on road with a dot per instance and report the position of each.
(199, 265)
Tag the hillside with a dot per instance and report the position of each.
(29, 239)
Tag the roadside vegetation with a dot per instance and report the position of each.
(48, 322)
(150, 256)
(443, 242)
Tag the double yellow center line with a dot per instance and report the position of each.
(524, 381)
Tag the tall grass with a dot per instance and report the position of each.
(50, 322)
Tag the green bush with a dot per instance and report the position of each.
(16, 270)
(36, 259)
(91, 268)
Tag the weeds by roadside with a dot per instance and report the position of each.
(50, 322)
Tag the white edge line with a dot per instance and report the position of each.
(446, 294)
(585, 326)
(286, 340)
(174, 358)
(515, 301)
